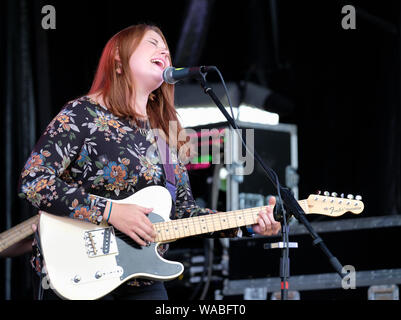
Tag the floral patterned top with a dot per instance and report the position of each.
(87, 154)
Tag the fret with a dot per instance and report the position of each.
(162, 231)
(212, 225)
(224, 220)
(255, 215)
(250, 218)
(240, 218)
(188, 224)
(214, 222)
(157, 230)
(206, 228)
(191, 227)
(197, 225)
(176, 227)
(166, 231)
(185, 227)
(18, 233)
(217, 220)
(171, 230)
(203, 225)
(198, 228)
(232, 222)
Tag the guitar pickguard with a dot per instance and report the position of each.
(145, 262)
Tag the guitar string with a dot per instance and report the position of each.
(15, 236)
(25, 229)
(249, 212)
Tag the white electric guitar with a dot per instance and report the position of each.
(85, 261)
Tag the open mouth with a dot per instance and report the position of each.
(158, 62)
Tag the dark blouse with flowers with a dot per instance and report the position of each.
(87, 154)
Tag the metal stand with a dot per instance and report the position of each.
(284, 194)
(284, 259)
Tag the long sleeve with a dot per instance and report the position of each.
(46, 180)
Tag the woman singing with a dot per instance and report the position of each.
(95, 149)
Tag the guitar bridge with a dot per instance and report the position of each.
(100, 242)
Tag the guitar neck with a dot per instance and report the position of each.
(17, 233)
(181, 228)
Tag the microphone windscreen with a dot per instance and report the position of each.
(168, 75)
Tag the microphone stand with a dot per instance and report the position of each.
(287, 198)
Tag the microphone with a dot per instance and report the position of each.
(172, 75)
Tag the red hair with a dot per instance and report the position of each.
(117, 89)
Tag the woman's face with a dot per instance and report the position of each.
(148, 61)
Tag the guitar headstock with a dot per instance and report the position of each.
(333, 206)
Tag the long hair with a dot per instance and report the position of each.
(118, 89)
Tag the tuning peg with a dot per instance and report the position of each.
(350, 196)
(334, 194)
(326, 193)
(342, 195)
(318, 192)
(359, 198)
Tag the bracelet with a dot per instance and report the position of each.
(108, 217)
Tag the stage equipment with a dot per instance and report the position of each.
(277, 146)
(358, 240)
(386, 292)
(284, 198)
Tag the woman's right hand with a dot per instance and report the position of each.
(132, 220)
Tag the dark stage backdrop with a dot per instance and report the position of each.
(344, 84)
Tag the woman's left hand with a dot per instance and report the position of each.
(266, 225)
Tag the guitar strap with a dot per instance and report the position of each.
(168, 166)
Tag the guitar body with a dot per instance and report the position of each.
(85, 261)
